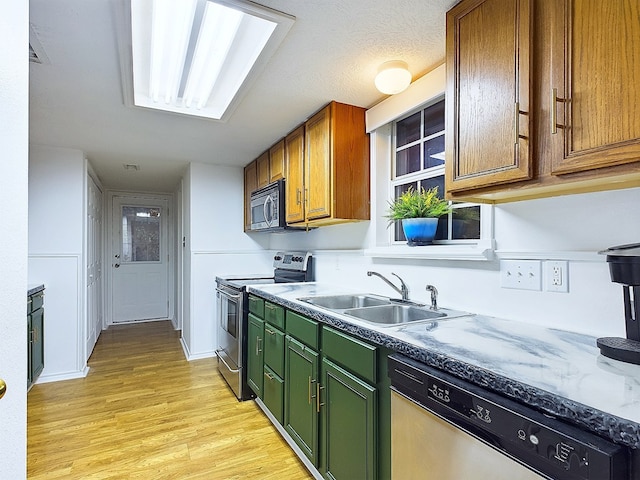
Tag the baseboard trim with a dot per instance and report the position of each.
(190, 356)
(58, 377)
(294, 446)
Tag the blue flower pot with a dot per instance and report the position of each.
(419, 231)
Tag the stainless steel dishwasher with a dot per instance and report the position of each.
(445, 428)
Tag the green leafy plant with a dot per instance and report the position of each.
(419, 203)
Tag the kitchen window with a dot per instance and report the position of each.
(418, 162)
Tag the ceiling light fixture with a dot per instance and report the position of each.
(198, 57)
(393, 77)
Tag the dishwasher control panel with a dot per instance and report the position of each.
(544, 444)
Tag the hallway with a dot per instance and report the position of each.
(144, 412)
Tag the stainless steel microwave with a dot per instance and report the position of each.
(267, 208)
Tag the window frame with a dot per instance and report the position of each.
(427, 173)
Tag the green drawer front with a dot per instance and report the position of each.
(256, 306)
(274, 349)
(274, 314)
(274, 394)
(304, 329)
(350, 353)
(35, 302)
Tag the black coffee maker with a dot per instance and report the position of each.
(624, 266)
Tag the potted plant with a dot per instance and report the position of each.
(419, 211)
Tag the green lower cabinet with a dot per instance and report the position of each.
(273, 397)
(300, 407)
(274, 349)
(255, 354)
(349, 430)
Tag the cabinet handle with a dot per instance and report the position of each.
(516, 124)
(306, 195)
(269, 331)
(258, 342)
(298, 199)
(309, 400)
(35, 335)
(318, 402)
(268, 375)
(553, 108)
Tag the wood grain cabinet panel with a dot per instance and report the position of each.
(596, 100)
(570, 67)
(294, 186)
(488, 44)
(331, 184)
(276, 162)
(263, 169)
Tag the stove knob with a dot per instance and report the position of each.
(277, 258)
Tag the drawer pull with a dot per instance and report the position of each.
(318, 402)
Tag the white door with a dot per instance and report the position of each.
(139, 259)
(94, 263)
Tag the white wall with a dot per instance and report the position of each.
(570, 227)
(216, 245)
(56, 215)
(14, 138)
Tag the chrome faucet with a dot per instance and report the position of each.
(434, 296)
(403, 290)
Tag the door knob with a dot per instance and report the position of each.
(117, 265)
(3, 388)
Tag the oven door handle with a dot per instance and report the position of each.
(232, 370)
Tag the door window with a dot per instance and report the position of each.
(140, 241)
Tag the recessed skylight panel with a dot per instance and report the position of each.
(198, 57)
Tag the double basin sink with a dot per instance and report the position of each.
(380, 310)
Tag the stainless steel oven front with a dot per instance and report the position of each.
(230, 336)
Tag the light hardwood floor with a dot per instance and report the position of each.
(144, 412)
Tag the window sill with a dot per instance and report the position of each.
(483, 251)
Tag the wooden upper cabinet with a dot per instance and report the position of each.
(337, 166)
(263, 169)
(578, 121)
(595, 69)
(294, 184)
(276, 162)
(250, 184)
(318, 182)
(488, 90)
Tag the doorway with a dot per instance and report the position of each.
(140, 253)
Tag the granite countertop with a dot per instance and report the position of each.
(561, 373)
(34, 288)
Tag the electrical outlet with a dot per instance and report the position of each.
(521, 274)
(557, 276)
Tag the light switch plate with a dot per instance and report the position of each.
(521, 274)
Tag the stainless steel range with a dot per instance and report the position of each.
(232, 316)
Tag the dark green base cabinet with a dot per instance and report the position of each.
(35, 337)
(273, 394)
(326, 392)
(255, 354)
(301, 385)
(349, 425)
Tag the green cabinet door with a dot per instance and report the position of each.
(349, 425)
(274, 349)
(274, 394)
(37, 344)
(300, 407)
(255, 354)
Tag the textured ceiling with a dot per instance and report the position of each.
(332, 52)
